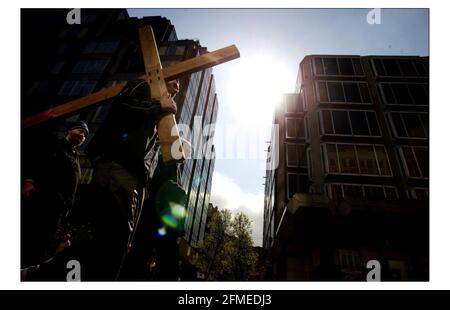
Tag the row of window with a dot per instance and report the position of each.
(402, 67)
(404, 93)
(337, 66)
(356, 159)
(172, 49)
(409, 125)
(342, 92)
(77, 88)
(90, 66)
(337, 191)
(101, 47)
(362, 123)
(351, 123)
(418, 193)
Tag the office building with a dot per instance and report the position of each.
(351, 184)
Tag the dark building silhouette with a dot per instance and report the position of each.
(351, 184)
(61, 62)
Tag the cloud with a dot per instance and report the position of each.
(226, 194)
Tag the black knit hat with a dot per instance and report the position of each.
(79, 124)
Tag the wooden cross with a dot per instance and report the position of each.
(156, 76)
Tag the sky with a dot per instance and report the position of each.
(272, 42)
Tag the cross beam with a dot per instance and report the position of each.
(156, 76)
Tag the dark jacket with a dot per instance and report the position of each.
(54, 170)
(128, 134)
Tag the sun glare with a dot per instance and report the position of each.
(257, 85)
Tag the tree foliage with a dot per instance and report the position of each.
(227, 252)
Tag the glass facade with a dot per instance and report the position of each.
(349, 123)
(342, 92)
(356, 159)
(337, 66)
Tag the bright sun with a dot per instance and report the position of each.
(256, 86)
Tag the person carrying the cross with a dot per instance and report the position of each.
(122, 152)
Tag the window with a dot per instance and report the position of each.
(77, 88)
(391, 67)
(347, 158)
(90, 66)
(349, 260)
(361, 191)
(357, 65)
(401, 94)
(352, 92)
(333, 163)
(389, 97)
(419, 93)
(356, 123)
(398, 67)
(391, 193)
(56, 68)
(373, 124)
(323, 93)
(336, 91)
(354, 191)
(291, 155)
(373, 192)
(335, 191)
(180, 50)
(356, 159)
(360, 126)
(101, 47)
(367, 160)
(409, 125)
(379, 68)
(337, 66)
(162, 50)
(404, 93)
(295, 128)
(293, 104)
(330, 66)
(365, 95)
(419, 193)
(296, 155)
(407, 67)
(341, 123)
(420, 67)
(415, 161)
(318, 65)
(346, 66)
(327, 122)
(340, 92)
(382, 159)
(296, 183)
(413, 125)
(422, 157)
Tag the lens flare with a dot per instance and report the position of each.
(177, 210)
(171, 201)
(162, 232)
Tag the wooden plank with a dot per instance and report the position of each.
(73, 106)
(166, 124)
(152, 63)
(202, 62)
